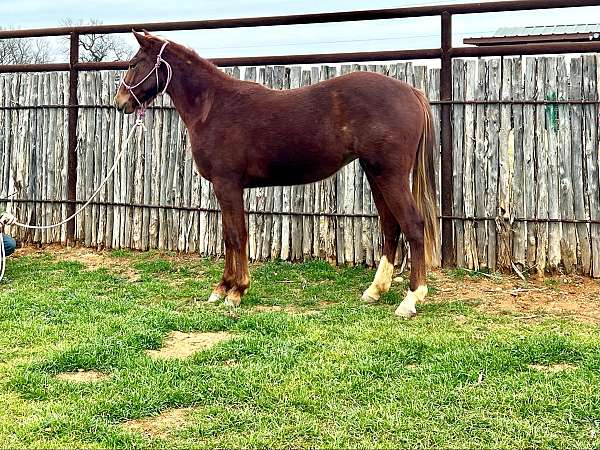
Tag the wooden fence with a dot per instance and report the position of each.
(512, 161)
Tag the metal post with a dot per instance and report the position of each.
(72, 132)
(448, 258)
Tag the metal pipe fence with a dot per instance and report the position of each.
(446, 53)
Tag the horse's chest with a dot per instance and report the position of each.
(203, 160)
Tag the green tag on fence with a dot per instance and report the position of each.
(552, 111)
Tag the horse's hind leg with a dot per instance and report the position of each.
(399, 200)
(402, 204)
(391, 233)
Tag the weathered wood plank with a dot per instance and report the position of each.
(590, 146)
(250, 75)
(105, 163)
(541, 161)
(529, 159)
(110, 159)
(89, 148)
(471, 258)
(577, 164)
(62, 154)
(327, 199)
(97, 156)
(519, 179)
(493, 128)
(552, 138)
(297, 192)
(308, 204)
(458, 123)
(286, 191)
(505, 170)
(268, 192)
(481, 165)
(568, 243)
(45, 156)
(4, 140)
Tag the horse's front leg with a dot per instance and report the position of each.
(236, 277)
(228, 277)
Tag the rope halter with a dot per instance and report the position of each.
(159, 61)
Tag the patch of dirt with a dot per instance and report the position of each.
(182, 345)
(161, 425)
(460, 319)
(230, 363)
(82, 376)
(575, 296)
(552, 368)
(92, 259)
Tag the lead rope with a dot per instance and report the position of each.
(138, 124)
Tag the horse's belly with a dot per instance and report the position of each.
(300, 168)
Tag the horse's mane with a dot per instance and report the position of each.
(187, 52)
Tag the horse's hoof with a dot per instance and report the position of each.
(369, 297)
(407, 308)
(233, 301)
(405, 312)
(214, 297)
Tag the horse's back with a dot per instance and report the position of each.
(302, 135)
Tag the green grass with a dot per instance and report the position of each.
(351, 376)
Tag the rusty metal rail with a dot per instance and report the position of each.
(291, 213)
(304, 19)
(445, 52)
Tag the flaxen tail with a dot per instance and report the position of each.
(423, 189)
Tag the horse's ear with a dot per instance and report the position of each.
(146, 32)
(142, 40)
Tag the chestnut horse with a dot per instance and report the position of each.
(244, 135)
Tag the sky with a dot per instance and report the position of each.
(301, 39)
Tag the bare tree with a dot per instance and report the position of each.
(24, 51)
(99, 47)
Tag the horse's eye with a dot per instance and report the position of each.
(132, 65)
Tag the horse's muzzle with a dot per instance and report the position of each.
(123, 103)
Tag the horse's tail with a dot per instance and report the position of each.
(423, 186)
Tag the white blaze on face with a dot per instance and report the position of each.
(382, 281)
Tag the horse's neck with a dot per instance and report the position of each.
(192, 83)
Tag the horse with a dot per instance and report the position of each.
(244, 135)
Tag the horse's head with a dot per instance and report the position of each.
(147, 76)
